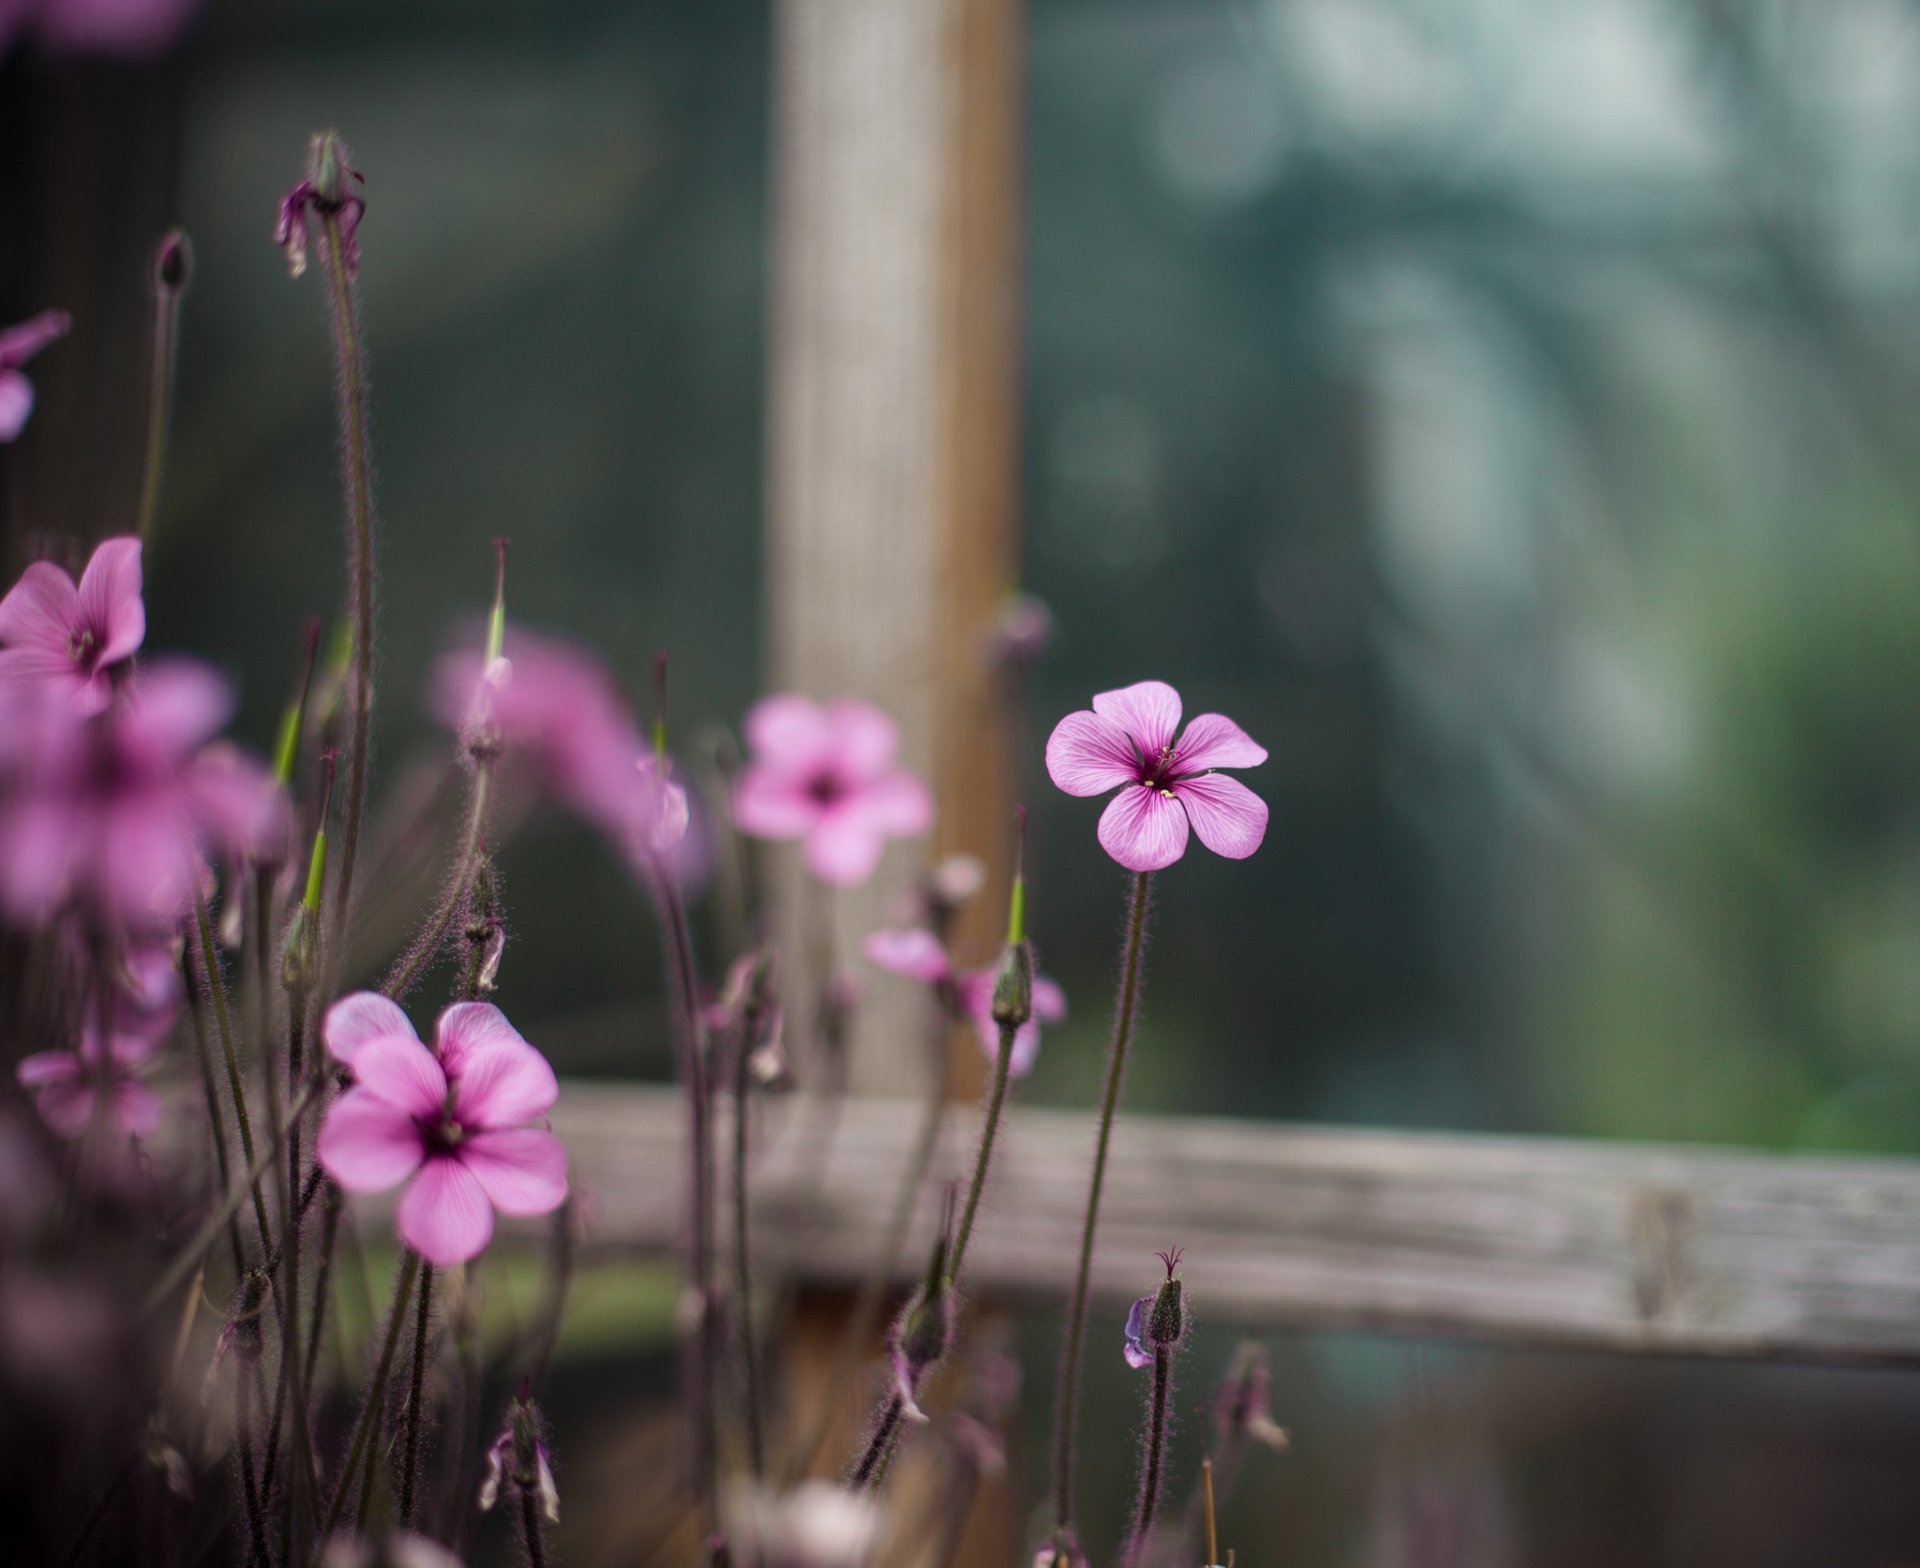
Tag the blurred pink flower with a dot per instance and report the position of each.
(452, 1123)
(66, 1085)
(1127, 742)
(968, 994)
(827, 776)
(122, 27)
(71, 638)
(19, 344)
(110, 811)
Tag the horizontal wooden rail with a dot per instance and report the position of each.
(1518, 1241)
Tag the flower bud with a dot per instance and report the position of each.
(917, 1343)
(329, 168)
(1157, 1322)
(173, 264)
(1013, 986)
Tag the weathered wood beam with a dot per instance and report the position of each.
(1517, 1241)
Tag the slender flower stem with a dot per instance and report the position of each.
(1068, 1412)
(217, 1117)
(169, 284)
(331, 1204)
(453, 900)
(343, 316)
(701, 1355)
(418, 1379)
(530, 1523)
(376, 1398)
(742, 1251)
(1156, 1449)
(249, 1486)
(873, 1458)
(989, 1124)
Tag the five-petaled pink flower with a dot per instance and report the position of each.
(1127, 742)
(17, 346)
(827, 776)
(968, 993)
(67, 1085)
(72, 638)
(110, 811)
(451, 1122)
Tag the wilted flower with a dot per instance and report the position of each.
(451, 1123)
(1127, 742)
(1242, 1409)
(816, 1525)
(827, 776)
(968, 994)
(1157, 1321)
(327, 192)
(109, 811)
(70, 639)
(518, 1459)
(67, 1086)
(17, 346)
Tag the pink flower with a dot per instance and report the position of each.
(827, 775)
(450, 1122)
(110, 811)
(116, 27)
(1127, 742)
(968, 994)
(69, 638)
(66, 1085)
(17, 346)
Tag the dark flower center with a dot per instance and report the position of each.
(444, 1135)
(81, 645)
(825, 788)
(1158, 772)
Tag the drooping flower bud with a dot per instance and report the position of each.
(518, 1459)
(1013, 986)
(918, 1341)
(1157, 1322)
(173, 264)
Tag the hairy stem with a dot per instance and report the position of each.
(989, 1124)
(418, 1380)
(376, 1396)
(742, 1257)
(453, 899)
(166, 342)
(1156, 1449)
(530, 1524)
(874, 1456)
(1067, 1413)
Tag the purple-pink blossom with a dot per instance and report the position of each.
(968, 993)
(17, 346)
(68, 1086)
(111, 811)
(827, 776)
(453, 1123)
(72, 638)
(112, 27)
(1127, 742)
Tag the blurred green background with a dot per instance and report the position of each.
(1501, 410)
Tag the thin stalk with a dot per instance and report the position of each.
(323, 1282)
(343, 317)
(453, 900)
(376, 1396)
(1068, 1411)
(702, 1355)
(422, 1321)
(218, 1119)
(873, 1458)
(530, 1523)
(989, 1124)
(742, 1256)
(1156, 1449)
(249, 1486)
(99, 1511)
(166, 346)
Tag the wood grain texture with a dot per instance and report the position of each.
(1521, 1241)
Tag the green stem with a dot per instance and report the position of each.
(421, 1322)
(357, 472)
(873, 1458)
(217, 1117)
(1068, 1412)
(990, 1123)
(249, 1487)
(370, 1408)
(1156, 1448)
(742, 1252)
(454, 899)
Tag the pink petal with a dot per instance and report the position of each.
(355, 1020)
(1089, 755)
(844, 847)
(403, 1073)
(1049, 1001)
(1213, 740)
(865, 740)
(178, 705)
(1149, 711)
(368, 1145)
(238, 806)
(770, 805)
(38, 672)
(48, 1067)
(1026, 1039)
(468, 1027)
(1230, 819)
(523, 1171)
(789, 733)
(1143, 828)
(66, 1107)
(110, 603)
(41, 611)
(136, 1110)
(916, 954)
(19, 344)
(503, 1085)
(141, 867)
(444, 1216)
(16, 404)
(899, 805)
(41, 842)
